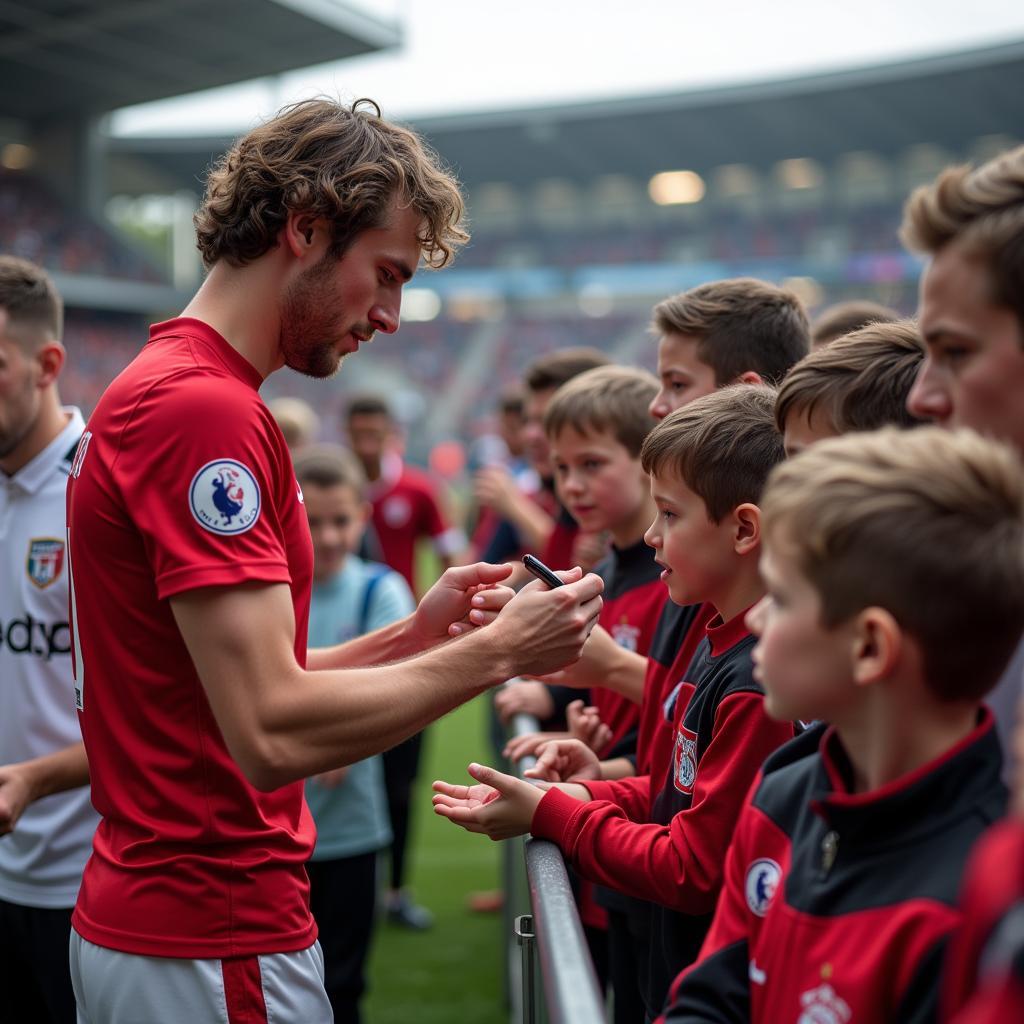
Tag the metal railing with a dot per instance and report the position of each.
(550, 936)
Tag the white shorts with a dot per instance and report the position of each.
(122, 988)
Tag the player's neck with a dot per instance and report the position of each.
(241, 304)
(47, 427)
(895, 732)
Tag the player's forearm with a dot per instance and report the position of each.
(57, 772)
(322, 719)
(393, 642)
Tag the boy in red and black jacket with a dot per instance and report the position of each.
(664, 839)
(882, 551)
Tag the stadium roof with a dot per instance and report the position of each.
(66, 58)
(948, 101)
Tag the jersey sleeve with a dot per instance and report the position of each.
(632, 794)
(678, 865)
(392, 600)
(202, 474)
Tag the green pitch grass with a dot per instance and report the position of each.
(453, 972)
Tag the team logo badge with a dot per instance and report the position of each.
(45, 560)
(821, 1005)
(397, 512)
(626, 635)
(763, 877)
(685, 755)
(224, 497)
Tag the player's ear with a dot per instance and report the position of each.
(50, 361)
(303, 235)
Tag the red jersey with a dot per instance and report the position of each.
(405, 508)
(182, 480)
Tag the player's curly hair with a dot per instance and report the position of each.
(345, 164)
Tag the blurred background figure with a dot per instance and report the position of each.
(405, 509)
(297, 420)
(844, 317)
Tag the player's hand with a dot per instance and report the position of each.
(528, 698)
(541, 630)
(529, 743)
(499, 806)
(589, 548)
(565, 761)
(15, 795)
(586, 726)
(465, 597)
(591, 667)
(334, 778)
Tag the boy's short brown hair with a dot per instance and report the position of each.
(30, 298)
(983, 209)
(345, 164)
(741, 325)
(553, 370)
(927, 524)
(860, 381)
(328, 465)
(722, 446)
(846, 317)
(608, 399)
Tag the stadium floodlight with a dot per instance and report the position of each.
(671, 188)
(16, 156)
(420, 304)
(799, 173)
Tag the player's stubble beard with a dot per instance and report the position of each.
(313, 322)
(17, 418)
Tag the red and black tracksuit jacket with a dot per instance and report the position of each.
(983, 982)
(674, 857)
(838, 906)
(634, 597)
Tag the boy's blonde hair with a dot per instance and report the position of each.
(721, 446)
(741, 325)
(927, 524)
(860, 381)
(608, 399)
(297, 420)
(983, 209)
(329, 465)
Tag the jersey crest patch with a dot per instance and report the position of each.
(684, 772)
(763, 877)
(821, 1005)
(626, 636)
(45, 560)
(224, 497)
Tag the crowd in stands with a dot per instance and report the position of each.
(722, 233)
(35, 225)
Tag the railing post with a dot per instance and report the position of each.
(526, 938)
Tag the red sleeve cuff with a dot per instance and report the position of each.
(554, 816)
(600, 789)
